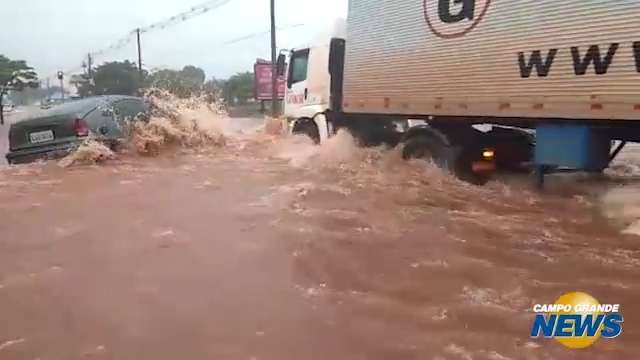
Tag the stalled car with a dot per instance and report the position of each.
(55, 132)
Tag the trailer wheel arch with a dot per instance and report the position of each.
(426, 130)
(427, 144)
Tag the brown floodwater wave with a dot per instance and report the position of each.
(431, 265)
(392, 259)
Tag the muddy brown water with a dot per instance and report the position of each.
(271, 248)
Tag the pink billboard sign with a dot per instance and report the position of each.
(262, 74)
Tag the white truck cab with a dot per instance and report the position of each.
(308, 93)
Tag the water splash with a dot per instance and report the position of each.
(191, 122)
(274, 126)
(88, 153)
(622, 205)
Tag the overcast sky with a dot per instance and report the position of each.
(57, 34)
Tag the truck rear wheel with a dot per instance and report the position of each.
(425, 147)
(463, 168)
(454, 159)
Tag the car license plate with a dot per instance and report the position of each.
(41, 136)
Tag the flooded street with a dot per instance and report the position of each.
(272, 248)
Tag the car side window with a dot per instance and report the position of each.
(129, 108)
(299, 64)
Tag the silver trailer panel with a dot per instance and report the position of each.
(474, 58)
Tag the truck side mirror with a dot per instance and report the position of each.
(280, 65)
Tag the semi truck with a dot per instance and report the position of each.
(556, 82)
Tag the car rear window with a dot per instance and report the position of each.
(79, 106)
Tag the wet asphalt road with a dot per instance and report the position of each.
(94, 269)
(272, 249)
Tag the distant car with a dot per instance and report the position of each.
(49, 103)
(55, 132)
(45, 105)
(8, 107)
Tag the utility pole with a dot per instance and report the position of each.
(89, 65)
(48, 90)
(3, 90)
(139, 55)
(274, 70)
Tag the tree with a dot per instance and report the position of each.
(194, 74)
(239, 88)
(114, 78)
(15, 75)
(184, 83)
(83, 84)
(213, 89)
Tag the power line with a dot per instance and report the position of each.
(185, 15)
(164, 24)
(153, 67)
(258, 34)
(114, 46)
(179, 18)
(230, 42)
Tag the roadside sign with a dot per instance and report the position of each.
(262, 81)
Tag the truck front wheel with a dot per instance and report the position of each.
(307, 127)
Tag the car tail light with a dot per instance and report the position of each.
(81, 128)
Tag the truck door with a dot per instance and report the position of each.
(297, 90)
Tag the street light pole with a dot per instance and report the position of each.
(274, 72)
(61, 78)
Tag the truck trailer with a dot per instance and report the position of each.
(558, 81)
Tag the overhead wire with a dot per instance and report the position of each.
(194, 11)
(179, 18)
